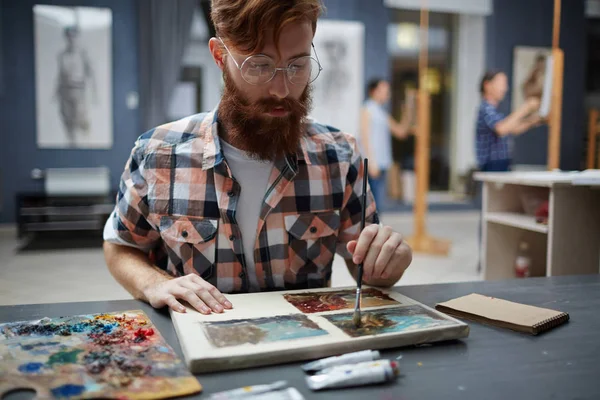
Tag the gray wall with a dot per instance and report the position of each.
(19, 153)
(529, 23)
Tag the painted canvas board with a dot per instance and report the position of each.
(270, 328)
(116, 355)
(261, 330)
(312, 302)
(73, 77)
(338, 92)
(389, 320)
(532, 76)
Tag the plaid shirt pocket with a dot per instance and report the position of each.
(191, 243)
(312, 239)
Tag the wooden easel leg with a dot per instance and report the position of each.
(421, 242)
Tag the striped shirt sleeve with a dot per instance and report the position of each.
(130, 219)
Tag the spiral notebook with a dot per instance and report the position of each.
(504, 314)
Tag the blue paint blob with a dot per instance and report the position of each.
(28, 347)
(109, 328)
(68, 390)
(163, 349)
(30, 368)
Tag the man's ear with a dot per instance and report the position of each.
(216, 50)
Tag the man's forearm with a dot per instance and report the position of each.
(132, 269)
(526, 125)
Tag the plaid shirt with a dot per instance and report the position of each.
(489, 145)
(177, 199)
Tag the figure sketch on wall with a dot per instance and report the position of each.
(75, 77)
(338, 93)
(73, 68)
(335, 76)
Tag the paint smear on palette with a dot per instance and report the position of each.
(116, 355)
(261, 330)
(390, 320)
(312, 302)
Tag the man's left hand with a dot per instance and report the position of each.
(383, 252)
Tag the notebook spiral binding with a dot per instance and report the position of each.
(551, 322)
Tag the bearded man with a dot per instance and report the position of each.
(253, 196)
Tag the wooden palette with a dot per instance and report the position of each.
(115, 355)
(276, 327)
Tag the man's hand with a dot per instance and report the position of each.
(532, 104)
(196, 291)
(374, 171)
(383, 253)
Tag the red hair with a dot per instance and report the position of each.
(244, 23)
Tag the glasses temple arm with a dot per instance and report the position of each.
(316, 55)
(232, 57)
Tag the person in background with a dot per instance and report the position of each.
(494, 129)
(375, 127)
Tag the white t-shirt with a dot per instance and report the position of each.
(253, 177)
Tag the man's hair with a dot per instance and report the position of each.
(488, 76)
(244, 23)
(372, 85)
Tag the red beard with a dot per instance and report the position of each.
(248, 127)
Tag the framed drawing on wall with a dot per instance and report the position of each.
(532, 76)
(73, 77)
(338, 93)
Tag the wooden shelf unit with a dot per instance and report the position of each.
(568, 245)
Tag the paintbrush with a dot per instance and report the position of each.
(356, 316)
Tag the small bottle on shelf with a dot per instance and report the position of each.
(523, 261)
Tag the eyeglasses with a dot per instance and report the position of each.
(259, 69)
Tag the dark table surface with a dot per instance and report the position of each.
(491, 363)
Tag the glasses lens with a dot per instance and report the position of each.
(303, 70)
(258, 69)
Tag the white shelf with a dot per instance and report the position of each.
(517, 221)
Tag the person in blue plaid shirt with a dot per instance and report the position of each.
(494, 129)
(254, 195)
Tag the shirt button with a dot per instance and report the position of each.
(241, 275)
(232, 238)
(184, 234)
(230, 193)
(313, 229)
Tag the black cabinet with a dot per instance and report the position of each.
(37, 212)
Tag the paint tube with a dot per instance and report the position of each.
(355, 375)
(247, 391)
(366, 364)
(350, 358)
(284, 394)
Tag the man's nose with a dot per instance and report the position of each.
(279, 85)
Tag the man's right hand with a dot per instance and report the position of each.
(200, 294)
(532, 104)
(374, 170)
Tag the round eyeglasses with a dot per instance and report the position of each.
(259, 69)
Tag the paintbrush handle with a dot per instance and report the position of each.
(363, 216)
(364, 194)
(359, 276)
